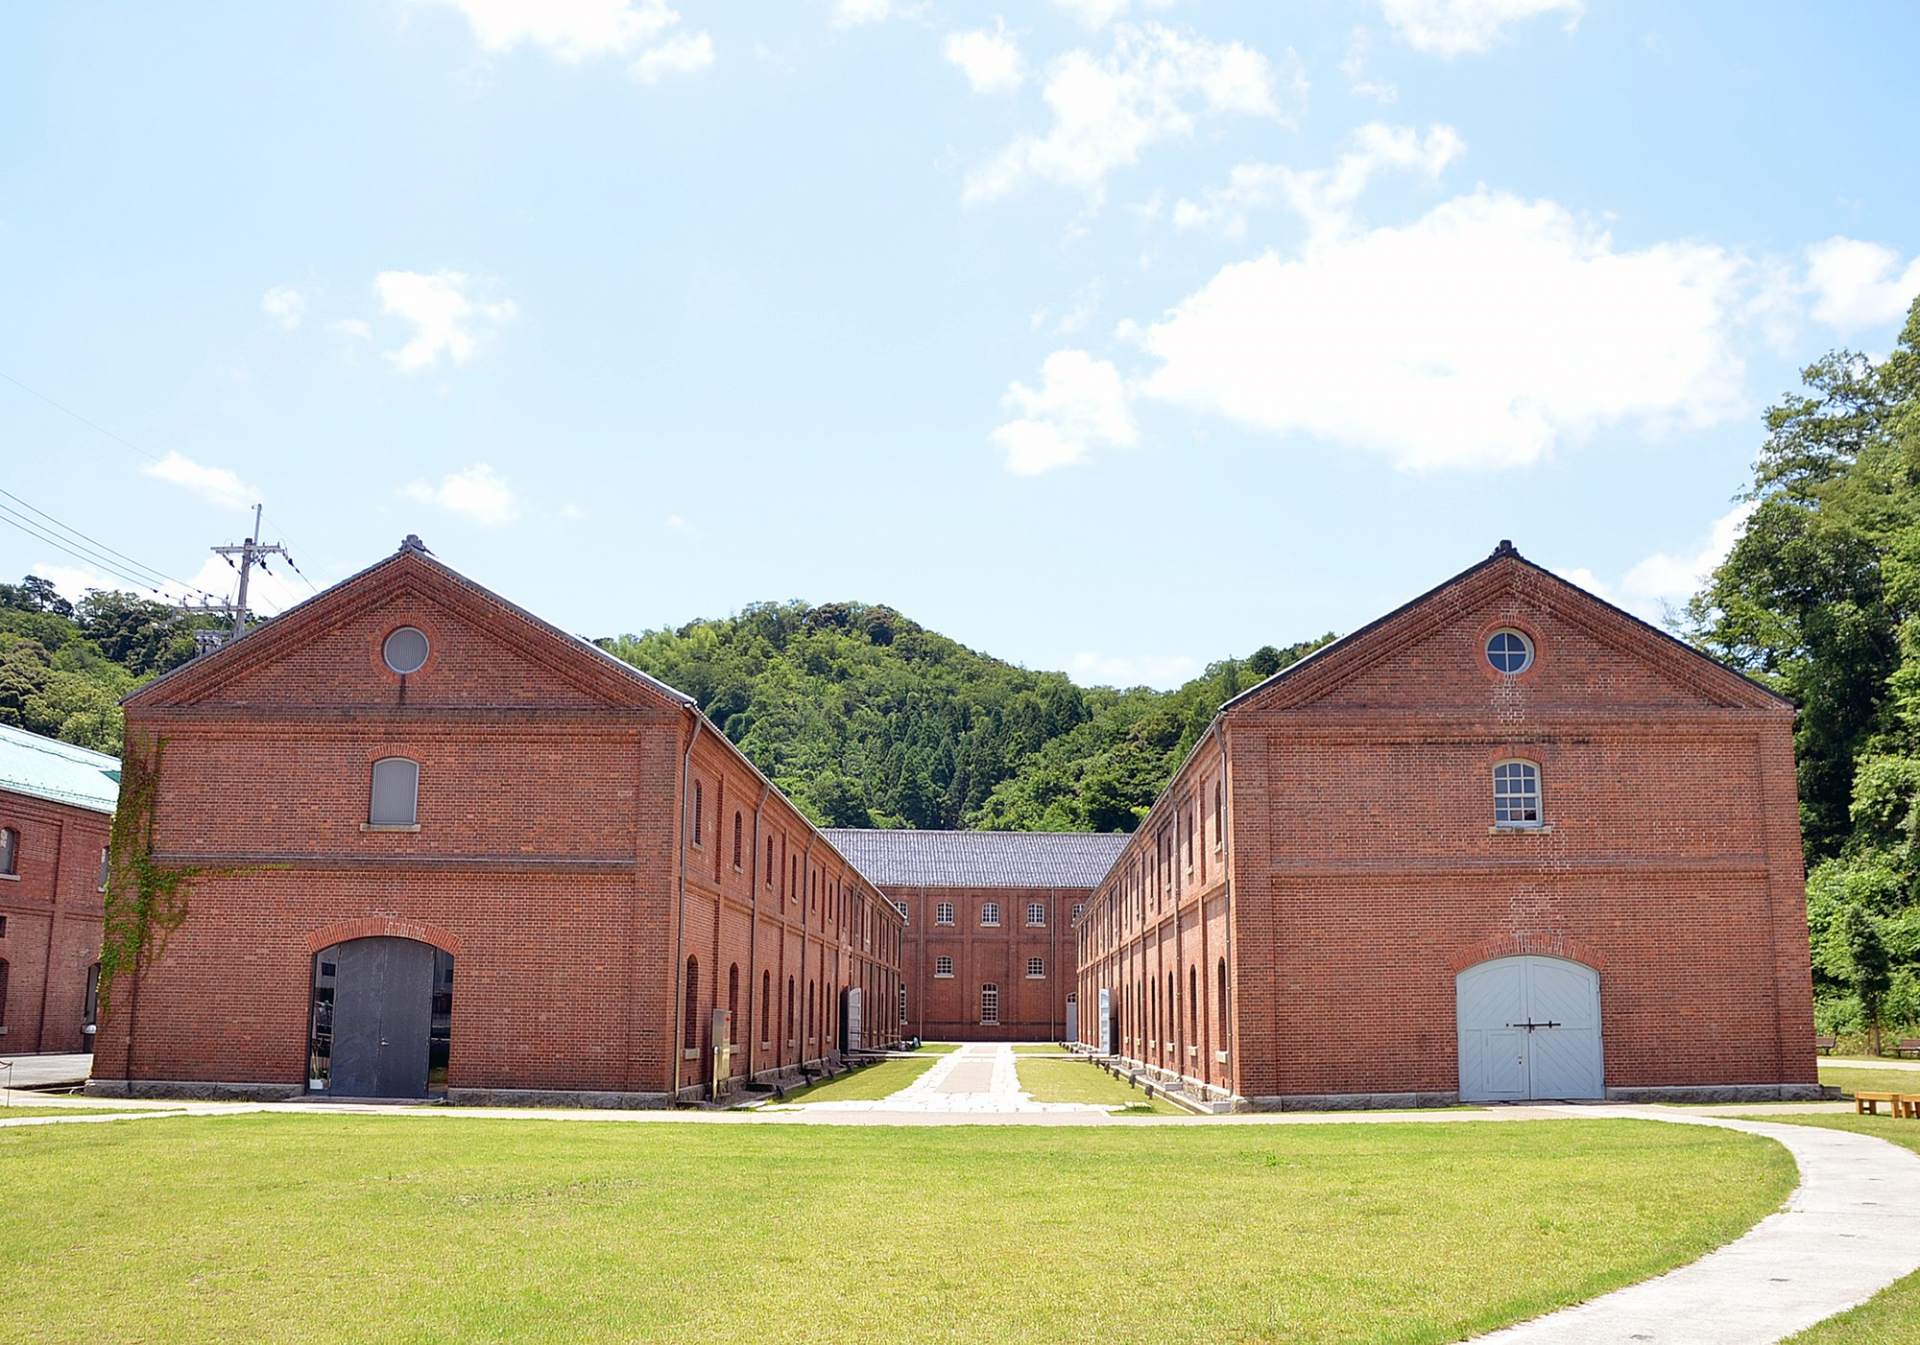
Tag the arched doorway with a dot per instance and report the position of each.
(382, 1019)
(1529, 1027)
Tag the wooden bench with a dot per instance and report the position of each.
(1901, 1104)
(1908, 1046)
(1825, 1045)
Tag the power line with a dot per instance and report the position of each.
(67, 410)
(93, 562)
(282, 534)
(137, 565)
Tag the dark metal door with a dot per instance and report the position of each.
(382, 1014)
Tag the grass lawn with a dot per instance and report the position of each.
(863, 1085)
(1035, 1048)
(20, 1113)
(1892, 1316)
(935, 1048)
(1081, 1081)
(1850, 1081)
(298, 1228)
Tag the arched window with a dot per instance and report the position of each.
(990, 1005)
(690, 1034)
(766, 1006)
(699, 811)
(737, 833)
(1219, 813)
(9, 851)
(1168, 1008)
(1193, 1006)
(1221, 1043)
(1516, 794)
(769, 861)
(733, 1005)
(813, 1005)
(990, 913)
(395, 795)
(3, 992)
(789, 1010)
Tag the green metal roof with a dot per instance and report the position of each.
(46, 768)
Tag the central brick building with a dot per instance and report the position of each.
(443, 848)
(1506, 842)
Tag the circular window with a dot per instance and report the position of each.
(405, 650)
(1509, 651)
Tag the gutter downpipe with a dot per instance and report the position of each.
(680, 922)
(753, 933)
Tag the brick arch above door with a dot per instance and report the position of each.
(381, 926)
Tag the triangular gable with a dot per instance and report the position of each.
(1499, 577)
(411, 575)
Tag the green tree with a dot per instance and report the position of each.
(1857, 953)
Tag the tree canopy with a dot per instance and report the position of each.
(1820, 598)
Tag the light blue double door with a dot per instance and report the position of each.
(1529, 1029)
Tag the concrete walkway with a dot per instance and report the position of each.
(1868, 1062)
(1850, 1229)
(977, 1081)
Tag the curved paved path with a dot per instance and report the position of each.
(1850, 1229)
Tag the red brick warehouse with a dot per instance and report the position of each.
(447, 848)
(989, 914)
(56, 810)
(1505, 842)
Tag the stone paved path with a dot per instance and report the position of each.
(977, 1081)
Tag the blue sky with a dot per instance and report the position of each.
(1106, 336)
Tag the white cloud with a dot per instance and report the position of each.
(1354, 66)
(1081, 403)
(1324, 198)
(479, 493)
(74, 581)
(1131, 670)
(1454, 27)
(1858, 284)
(447, 319)
(680, 526)
(353, 327)
(1656, 588)
(989, 58)
(645, 32)
(216, 485)
(285, 305)
(1094, 13)
(853, 13)
(681, 54)
(271, 589)
(1080, 311)
(1155, 85)
(1477, 336)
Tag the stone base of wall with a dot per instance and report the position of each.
(1719, 1092)
(194, 1090)
(1353, 1101)
(555, 1097)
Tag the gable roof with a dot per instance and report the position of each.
(46, 768)
(1505, 553)
(413, 553)
(907, 858)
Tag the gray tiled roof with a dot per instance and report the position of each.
(979, 858)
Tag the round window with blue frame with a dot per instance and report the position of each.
(1509, 652)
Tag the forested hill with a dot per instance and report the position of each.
(867, 718)
(863, 716)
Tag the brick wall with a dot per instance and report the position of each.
(948, 1008)
(52, 910)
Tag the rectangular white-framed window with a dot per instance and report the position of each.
(1079, 909)
(943, 966)
(1037, 914)
(9, 852)
(901, 907)
(1036, 969)
(395, 800)
(990, 913)
(989, 1005)
(903, 1006)
(943, 913)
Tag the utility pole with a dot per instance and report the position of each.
(251, 552)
